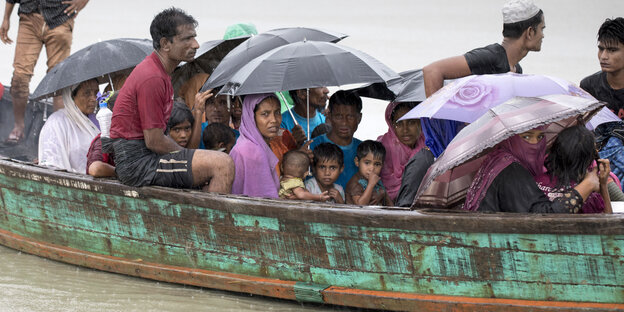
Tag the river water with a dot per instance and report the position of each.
(403, 34)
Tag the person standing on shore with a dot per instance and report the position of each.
(523, 31)
(144, 155)
(42, 22)
(607, 85)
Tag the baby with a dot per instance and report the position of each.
(294, 168)
(219, 137)
(328, 165)
(365, 187)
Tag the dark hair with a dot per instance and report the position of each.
(348, 98)
(328, 151)
(295, 160)
(165, 25)
(293, 96)
(179, 114)
(571, 154)
(515, 30)
(612, 31)
(402, 105)
(370, 146)
(216, 133)
(320, 130)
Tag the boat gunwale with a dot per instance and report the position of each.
(359, 216)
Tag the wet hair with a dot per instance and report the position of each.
(165, 25)
(370, 146)
(400, 106)
(327, 152)
(320, 130)
(515, 30)
(295, 163)
(293, 95)
(179, 114)
(348, 98)
(216, 133)
(571, 154)
(612, 31)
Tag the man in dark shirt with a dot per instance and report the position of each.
(523, 31)
(144, 155)
(42, 22)
(607, 85)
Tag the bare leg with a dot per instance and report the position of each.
(215, 167)
(19, 93)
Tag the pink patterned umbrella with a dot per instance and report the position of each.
(468, 98)
(448, 179)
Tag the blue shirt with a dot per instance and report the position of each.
(288, 123)
(614, 152)
(349, 152)
(201, 138)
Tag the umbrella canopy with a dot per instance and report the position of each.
(260, 44)
(448, 179)
(94, 61)
(307, 64)
(603, 116)
(207, 58)
(468, 98)
(409, 88)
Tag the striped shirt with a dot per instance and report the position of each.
(51, 10)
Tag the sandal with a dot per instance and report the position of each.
(14, 138)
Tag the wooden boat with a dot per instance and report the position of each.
(367, 257)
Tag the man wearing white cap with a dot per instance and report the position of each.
(523, 31)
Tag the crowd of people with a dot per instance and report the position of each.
(248, 145)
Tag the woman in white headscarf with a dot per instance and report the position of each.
(68, 132)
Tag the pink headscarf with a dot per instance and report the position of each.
(514, 149)
(253, 158)
(397, 155)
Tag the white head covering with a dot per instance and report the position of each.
(74, 113)
(518, 10)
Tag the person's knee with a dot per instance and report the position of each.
(216, 164)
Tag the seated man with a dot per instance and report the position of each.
(345, 114)
(144, 155)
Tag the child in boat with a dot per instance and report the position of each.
(179, 126)
(365, 187)
(294, 168)
(218, 137)
(328, 165)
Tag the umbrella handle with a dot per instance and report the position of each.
(288, 108)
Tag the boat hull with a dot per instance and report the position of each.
(364, 257)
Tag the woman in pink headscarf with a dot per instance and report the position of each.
(505, 181)
(402, 141)
(254, 160)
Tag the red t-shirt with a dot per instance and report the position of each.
(95, 153)
(144, 102)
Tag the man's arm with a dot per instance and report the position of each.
(6, 23)
(157, 142)
(449, 68)
(74, 7)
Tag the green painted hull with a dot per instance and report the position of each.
(550, 258)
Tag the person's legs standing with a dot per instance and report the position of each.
(27, 49)
(58, 47)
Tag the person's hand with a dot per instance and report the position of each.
(200, 101)
(4, 32)
(591, 178)
(298, 134)
(604, 170)
(373, 179)
(333, 193)
(306, 149)
(324, 196)
(74, 7)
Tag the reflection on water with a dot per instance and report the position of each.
(31, 283)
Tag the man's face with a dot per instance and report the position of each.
(318, 97)
(538, 36)
(184, 45)
(217, 110)
(344, 120)
(611, 56)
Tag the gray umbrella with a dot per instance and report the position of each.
(94, 61)
(307, 64)
(208, 56)
(260, 44)
(409, 88)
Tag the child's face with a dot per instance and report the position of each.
(344, 120)
(326, 172)
(369, 164)
(181, 133)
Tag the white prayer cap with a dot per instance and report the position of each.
(518, 10)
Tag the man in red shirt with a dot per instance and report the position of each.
(144, 155)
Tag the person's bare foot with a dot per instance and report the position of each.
(15, 136)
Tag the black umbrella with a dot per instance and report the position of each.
(260, 44)
(95, 61)
(409, 88)
(208, 56)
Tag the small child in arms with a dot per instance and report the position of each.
(219, 137)
(365, 187)
(294, 169)
(328, 165)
